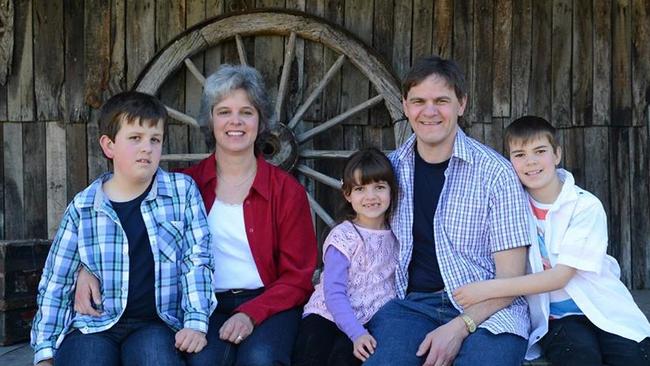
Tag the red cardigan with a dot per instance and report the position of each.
(279, 230)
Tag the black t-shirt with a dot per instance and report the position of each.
(141, 301)
(424, 272)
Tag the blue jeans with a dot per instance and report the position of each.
(401, 325)
(129, 342)
(270, 344)
(574, 340)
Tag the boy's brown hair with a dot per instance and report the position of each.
(130, 106)
(526, 128)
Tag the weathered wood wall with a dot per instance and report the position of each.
(583, 64)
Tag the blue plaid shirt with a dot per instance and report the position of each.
(482, 210)
(90, 234)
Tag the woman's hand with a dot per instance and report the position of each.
(364, 346)
(190, 340)
(471, 294)
(87, 293)
(236, 328)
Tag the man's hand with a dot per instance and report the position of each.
(364, 346)
(87, 293)
(472, 293)
(190, 340)
(236, 328)
(46, 362)
(443, 343)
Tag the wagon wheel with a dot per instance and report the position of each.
(282, 144)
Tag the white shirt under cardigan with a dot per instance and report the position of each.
(576, 231)
(234, 266)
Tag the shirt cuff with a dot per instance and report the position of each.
(196, 321)
(43, 354)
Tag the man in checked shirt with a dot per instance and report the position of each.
(143, 233)
(461, 217)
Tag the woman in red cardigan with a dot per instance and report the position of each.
(263, 242)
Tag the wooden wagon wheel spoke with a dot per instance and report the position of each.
(284, 79)
(241, 51)
(318, 176)
(316, 92)
(320, 154)
(320, 211)
(194, 71)
(182, 117)
(338, 119)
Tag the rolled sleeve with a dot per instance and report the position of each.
(508, 216)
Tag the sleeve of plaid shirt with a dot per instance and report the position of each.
(508, 214)
(198, 300)
(55, 288)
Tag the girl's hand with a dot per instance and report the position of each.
(236, 328)
(471, 294)
(364, 346)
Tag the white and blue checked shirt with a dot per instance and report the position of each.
(90, 234)
(482, 210)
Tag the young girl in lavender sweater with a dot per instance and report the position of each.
(359, 256)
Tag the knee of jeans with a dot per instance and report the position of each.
(260, 356)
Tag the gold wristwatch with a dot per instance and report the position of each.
(469, 323)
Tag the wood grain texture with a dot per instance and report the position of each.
(621, 201)
(582, 65)
(463, 52)
(34, 180)
(640, 210)
(521, 57)
(48, 58)
(502, 58)
(20, 84)
(483, 67)
(621, 64)
(640, 61)
(422, 24)
(539, 97)
(561, 110)
(443, 20)
(602, 70)
(55, 175)
(14, 187)
(140, 36)
(74, 60)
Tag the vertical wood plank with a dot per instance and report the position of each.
(574, 154)
(403, 17)
(502, 58)
(314, 65)
(195, 12)
(582, 65)
(640, 210)
(620, 218)
(621, 64)
(382, 42)
(443, 25)
(20, 83)
(48, 58)
(118, 63)
(13, 181)
(269, 54)
(56, 174)
(97, 51)
(333, 11)
(493, 133)
(521, 57)
(539, 97)
(74, 106)
(561, 63)
(76, 157)
(463, 52)
(640, 61)
(170, 21)
(602, 71)
(422, 28)
(35, 186)
(355, 86)
(596, 163)
(140, 36)
(213, 56)
(2, 182)
(483, 50)
(297, 82)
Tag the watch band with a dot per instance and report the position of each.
(469, 323)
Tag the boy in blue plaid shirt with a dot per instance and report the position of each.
(143, 233)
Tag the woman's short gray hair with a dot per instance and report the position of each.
(222, 83)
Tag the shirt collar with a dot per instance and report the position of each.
(261, 183)
(94, 196)
(461, 147)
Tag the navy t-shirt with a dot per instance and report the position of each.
(424, 272)
(141, 300)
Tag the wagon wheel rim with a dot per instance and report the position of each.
(281, 143)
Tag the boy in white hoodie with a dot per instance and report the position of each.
(581, 313)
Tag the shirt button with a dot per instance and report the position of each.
(248, 202)
(250, 230)
(124, 289)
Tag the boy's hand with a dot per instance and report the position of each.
(87, 293)
(236, 328)
(364, 346)
(190, 340)
(471, 294)
(46, 362)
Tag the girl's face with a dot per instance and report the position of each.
(235, 121)
(370, 202)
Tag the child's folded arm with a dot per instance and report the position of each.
(198, 300)
(335, 280)
(55, 287)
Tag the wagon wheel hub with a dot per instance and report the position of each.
(279, 146)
